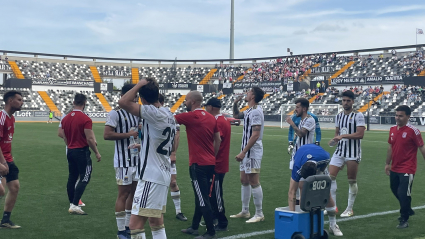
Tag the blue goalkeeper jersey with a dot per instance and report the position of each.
(297, 121)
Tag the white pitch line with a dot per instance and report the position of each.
(251, 234)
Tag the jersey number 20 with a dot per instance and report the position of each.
(170, 136)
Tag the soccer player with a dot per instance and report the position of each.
(297, 120)
(213, 107)
(404, 141)
(204, 141)
(159, 130)
(61, 135)
(78, 136)
(50, 117)
(251, 154)
(350, 127)
(304, 130)
(174, 188)
(309, 160)
(13, 102)
(120, 126)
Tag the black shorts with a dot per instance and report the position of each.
(13, 172)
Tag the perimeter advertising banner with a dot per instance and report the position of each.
(266, 86)
(29, 113)
(51, 81)
(368, 80)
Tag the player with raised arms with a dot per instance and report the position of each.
(159, 129)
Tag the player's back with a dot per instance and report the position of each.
(200, 127)
(73, 125)
(222, 158)
(310, 152)
(159, 129)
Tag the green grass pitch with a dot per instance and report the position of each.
(42, 204)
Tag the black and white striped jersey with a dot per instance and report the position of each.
(309, 124)
(122, 122)
(253, 116)
(347, 124)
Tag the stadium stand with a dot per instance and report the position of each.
(32, 100)
(175, 75)
(59, 71)
(297, 68)
(64, 98)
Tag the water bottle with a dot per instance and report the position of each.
(332, 143)
(133, 149)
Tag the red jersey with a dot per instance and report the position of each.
(404, 148)
(73, 126)
(200, 127)
(222, 158)
(7, 128)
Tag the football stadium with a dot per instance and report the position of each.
(352, 101)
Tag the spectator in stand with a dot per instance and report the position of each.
(336, 100)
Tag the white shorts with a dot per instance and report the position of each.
(150, 199)
(173, 169)
(291, 164)
(126, 176)
(250, 165)
(339, 161)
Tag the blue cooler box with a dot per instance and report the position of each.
(287, 223)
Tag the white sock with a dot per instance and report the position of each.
(159, 234)
(331, 215)
(333, 190)
(176, 199)
(127, 217)
(257, 194)
(297, 194)
(120, 216)
(140, 234)
(246, 196)
(352, 193)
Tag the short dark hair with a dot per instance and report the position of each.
(308, 169)
(80, 99)
(161, 99)
(125, 88)
(10, 94)
(404, 108)
(303, 101)
(150, 91)
(258, 93)
(349, 94)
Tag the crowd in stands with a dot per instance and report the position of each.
(4, 65)
(414, 93)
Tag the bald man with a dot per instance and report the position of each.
(204, 142)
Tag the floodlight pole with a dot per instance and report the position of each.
(232, 30)
(368, 116)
